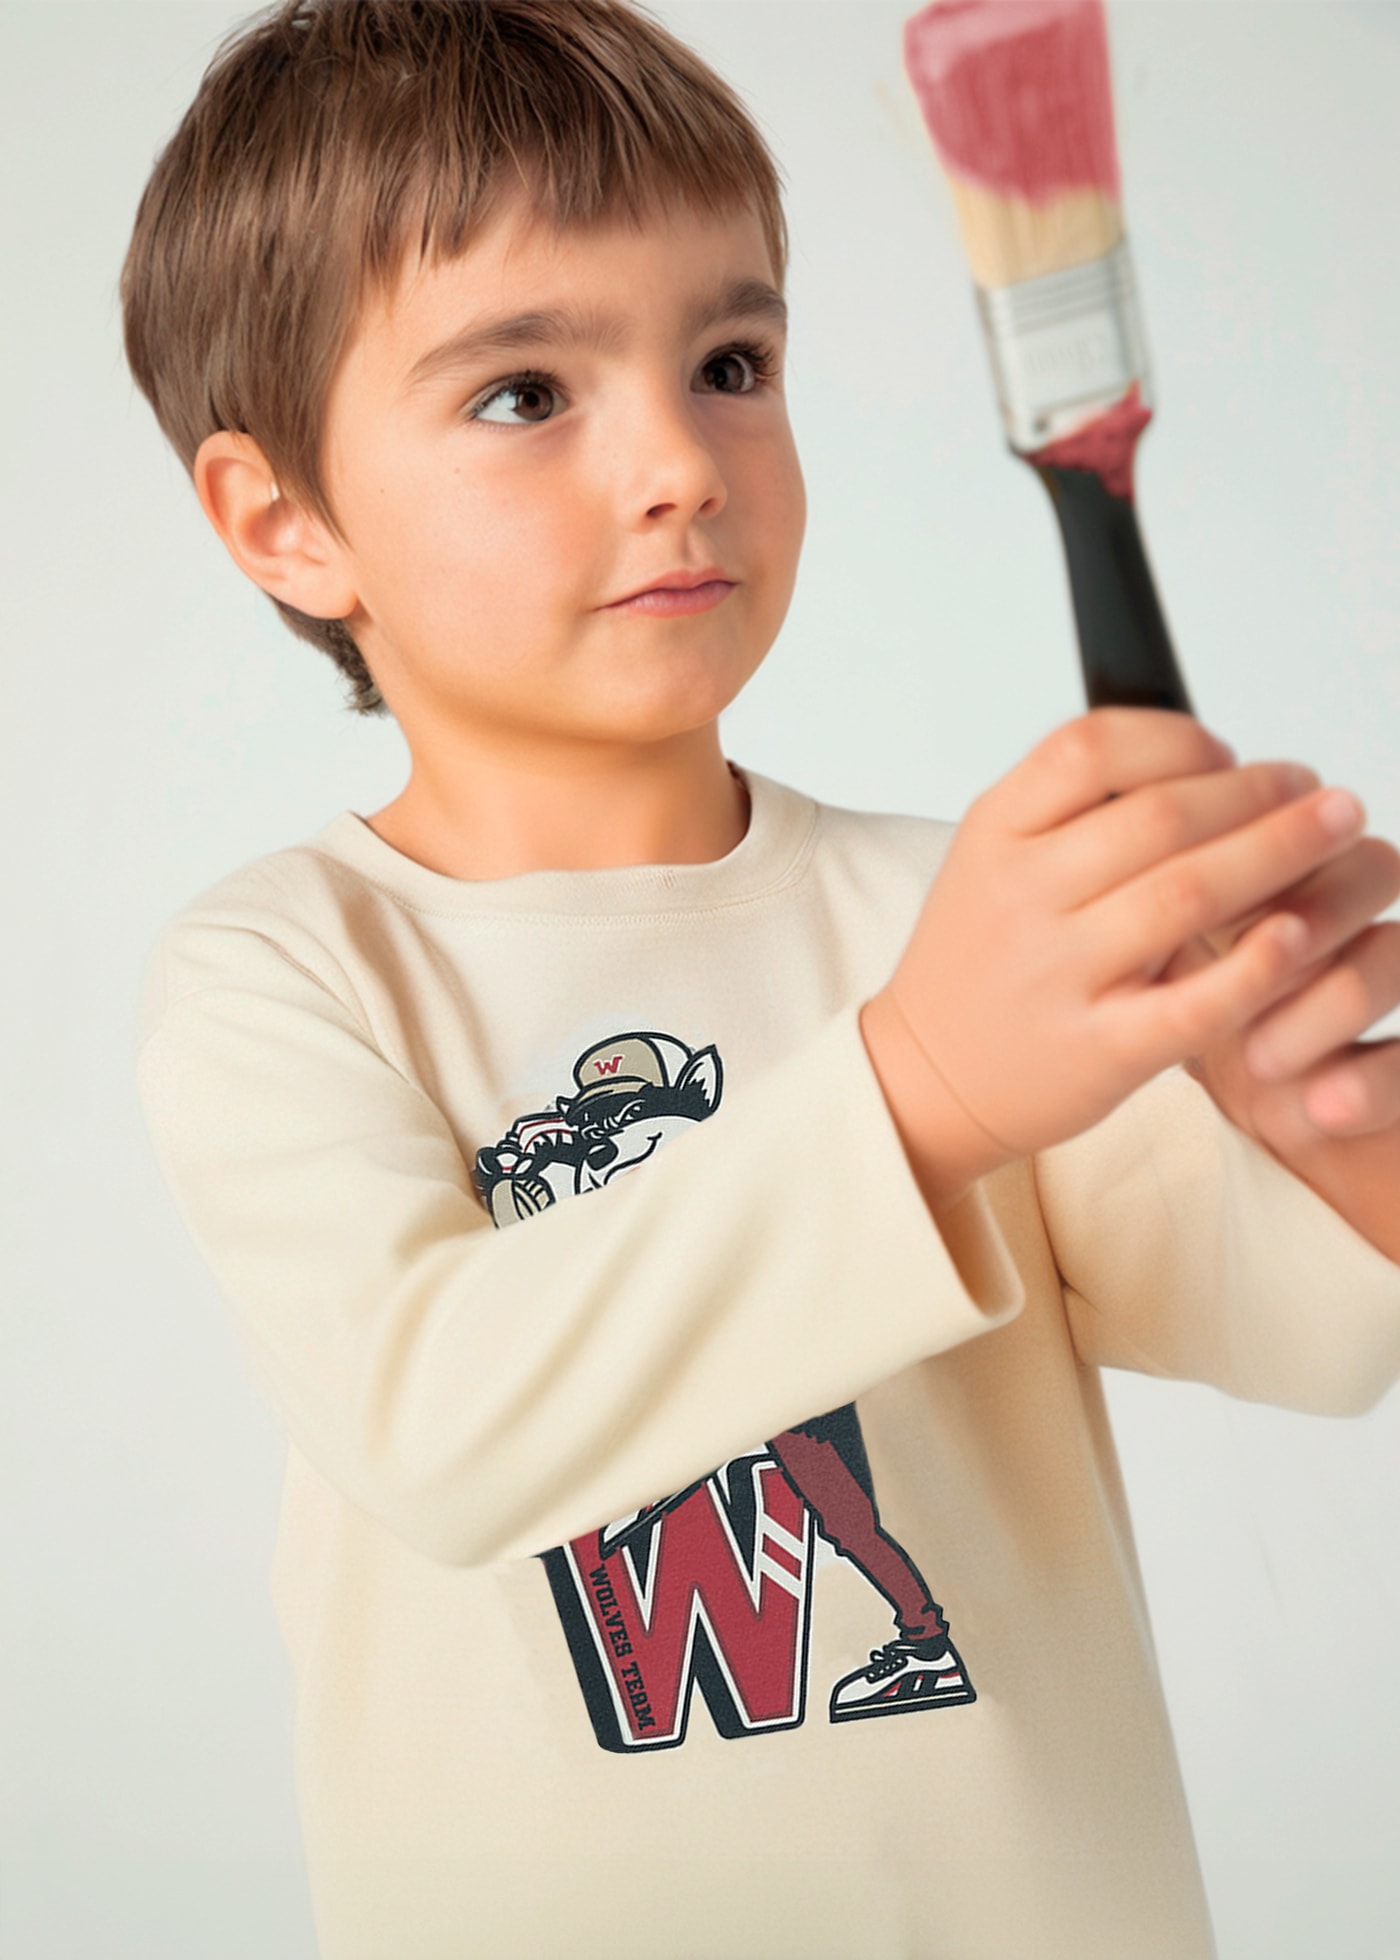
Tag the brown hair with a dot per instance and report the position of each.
(331, 138)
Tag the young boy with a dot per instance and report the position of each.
(734, 1564)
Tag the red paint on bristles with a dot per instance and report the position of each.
(1106, 445)
(1017, 94)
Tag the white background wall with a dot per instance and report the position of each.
(160, 727)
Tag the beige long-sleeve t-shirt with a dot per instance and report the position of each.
(731, 1565)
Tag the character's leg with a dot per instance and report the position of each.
(847, 1516)
(824, 1460)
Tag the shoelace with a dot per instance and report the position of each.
(886, 1660)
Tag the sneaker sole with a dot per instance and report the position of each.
(954, 1698)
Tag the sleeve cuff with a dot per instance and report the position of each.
(971, 1283)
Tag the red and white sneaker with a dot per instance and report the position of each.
(903, 1674)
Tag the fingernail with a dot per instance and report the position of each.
(1297, 780)
(1336, 1103)
(1339, 812)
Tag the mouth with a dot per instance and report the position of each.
(669, 601)
(679, 592)
(631, 1163)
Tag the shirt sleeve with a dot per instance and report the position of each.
(487, 1394)
(1187, 1250)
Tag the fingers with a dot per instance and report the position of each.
(1106, 846)
(1345, 895)
(1358, 1094)
(1155, 1026)
(1141, 924)
(1350, 994)
(1101, 754)
(1334, 904)
(1299, 1017)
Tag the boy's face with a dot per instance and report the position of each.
(492, 523)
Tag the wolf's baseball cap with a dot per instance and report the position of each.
(629, 1062)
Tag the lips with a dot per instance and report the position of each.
(679, 581)
(674, 601)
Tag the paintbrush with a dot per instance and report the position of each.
(1016, 95)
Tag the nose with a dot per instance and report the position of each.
(675, 468)
(601, 1154)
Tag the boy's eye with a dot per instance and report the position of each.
(532, 390)
(758, 360)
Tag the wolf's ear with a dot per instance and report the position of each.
(706, 1072)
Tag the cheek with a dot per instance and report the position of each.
(797, 483)
(437, 541)
(785, 494)
(785, 501)
(512, 531)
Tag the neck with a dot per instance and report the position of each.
(488, 814)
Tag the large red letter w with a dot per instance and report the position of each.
(703, 1609)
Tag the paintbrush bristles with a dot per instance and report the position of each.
(1007, 240)
(1016, 95)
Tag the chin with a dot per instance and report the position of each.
(686, 699)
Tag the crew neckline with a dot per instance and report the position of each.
(772, 850)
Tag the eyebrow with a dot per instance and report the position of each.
(570, 326)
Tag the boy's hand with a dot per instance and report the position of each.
(1299, 1079)
(1046, 979)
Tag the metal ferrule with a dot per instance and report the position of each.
(1064, 347)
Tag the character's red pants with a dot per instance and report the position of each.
(844, 1506)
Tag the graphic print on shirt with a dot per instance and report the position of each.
(711, 1587)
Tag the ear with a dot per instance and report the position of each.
(290, 552)
(705, 1069)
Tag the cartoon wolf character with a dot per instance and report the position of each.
(631, 1094)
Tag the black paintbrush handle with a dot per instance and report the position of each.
(1124, 645)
